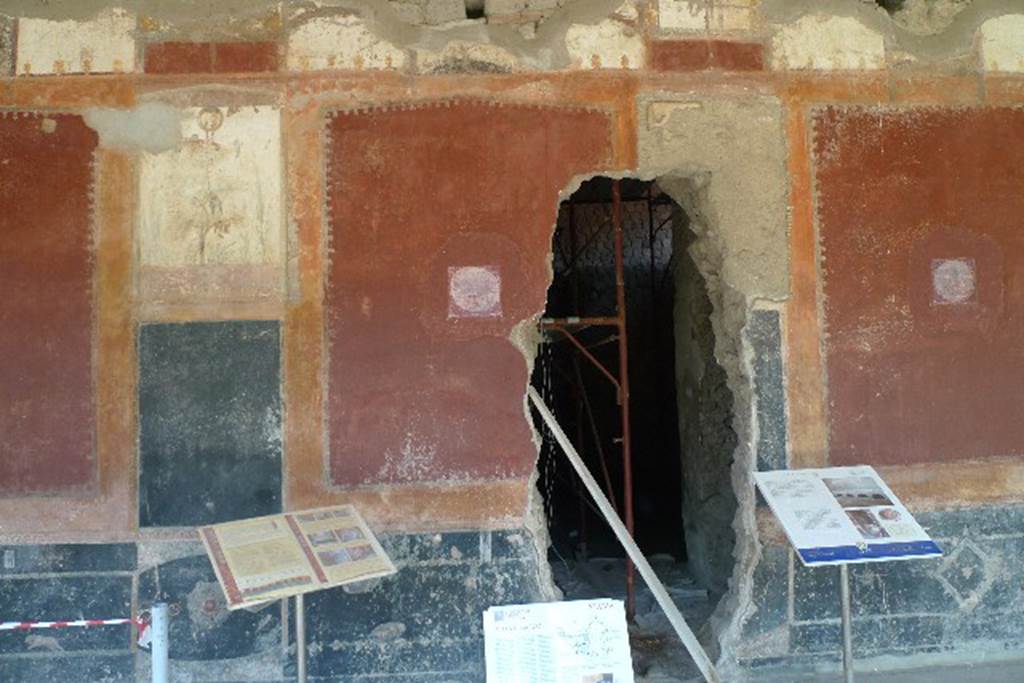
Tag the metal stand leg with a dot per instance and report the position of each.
(300, 637)
(844, 605)
(160, 642)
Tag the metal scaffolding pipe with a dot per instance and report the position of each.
(627, 455)
(661, 595)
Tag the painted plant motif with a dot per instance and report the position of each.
(215, 199)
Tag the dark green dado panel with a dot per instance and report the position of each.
(209, 422)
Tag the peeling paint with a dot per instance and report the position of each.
(103, 44)
(152, 127)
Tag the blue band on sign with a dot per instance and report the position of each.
(875, 551)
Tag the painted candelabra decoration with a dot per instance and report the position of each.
(211, 225)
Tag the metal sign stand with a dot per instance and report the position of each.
(844, 608)
(300, 637)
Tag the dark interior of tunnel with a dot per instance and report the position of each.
(680, 406)
(583, 397)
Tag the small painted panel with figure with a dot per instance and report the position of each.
(210, 215)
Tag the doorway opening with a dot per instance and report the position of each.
(679, 424)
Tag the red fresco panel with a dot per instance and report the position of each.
(440, 232)
(921, 217)
(46, 393)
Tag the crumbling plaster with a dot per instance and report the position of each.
(723, 159)
(581, 34)
(951, 40)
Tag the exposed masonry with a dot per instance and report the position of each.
(439, 36)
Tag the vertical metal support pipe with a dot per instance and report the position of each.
(844, 605)
(627, 461)
(160, 642)
(300, 638)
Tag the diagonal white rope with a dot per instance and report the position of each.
(682, 629)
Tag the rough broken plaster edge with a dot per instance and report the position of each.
(735, 354)
(527, 338)
(536, 524)
(545, 51)
(957, 42)
(91, 489)
(730, 310)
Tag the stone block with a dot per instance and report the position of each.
(1002, 43)
(827, 43)
(104, 44)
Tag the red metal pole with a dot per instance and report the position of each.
(627, 461)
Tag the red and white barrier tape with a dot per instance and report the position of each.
(26, 625)
(142, 624)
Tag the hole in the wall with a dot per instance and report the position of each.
(681, 407)
(890, 6)
(474, 9)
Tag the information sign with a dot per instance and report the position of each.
(842, 515)
(265, 558)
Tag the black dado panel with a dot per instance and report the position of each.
(209, 422)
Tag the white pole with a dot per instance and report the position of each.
(160, 642)
(652, 580)
(300, 637)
